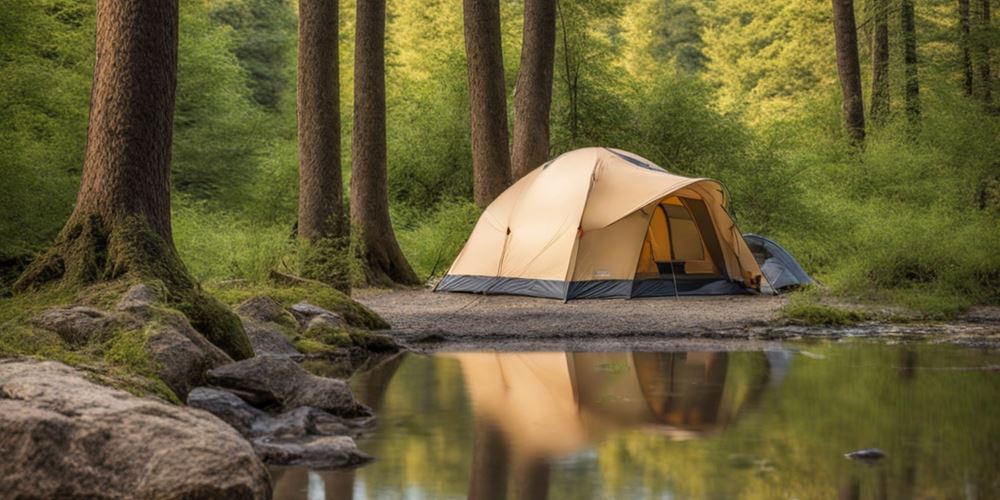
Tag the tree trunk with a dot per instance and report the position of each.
(964, 42)
(985, 74)
(880, 64)
(120, 226)
(322, 222)
(487, 100)
(384, 261)
(533, 94)
(848, 68)
(912, 92)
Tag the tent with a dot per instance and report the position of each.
(600, 222)
(778, 266)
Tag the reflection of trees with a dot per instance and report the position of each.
(938, 426)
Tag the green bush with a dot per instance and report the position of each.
(432, 241)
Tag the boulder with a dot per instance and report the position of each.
(265, 309)
(62, 436)
(137, 300)
(283, 383)
(325, 452)
(76, 325)
(182, 354)
(228, 407)
(267, 338)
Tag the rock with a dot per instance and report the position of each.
(182, 354)
(228, 407)
(268, 339)
(310, 316)
(265, 309)
(324, 452)
(76, 325)
(306, 421)
(869, 455)
(282, 382)
(137, 300)
(62, 436)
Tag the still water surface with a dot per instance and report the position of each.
(764, 425)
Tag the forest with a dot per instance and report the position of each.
(886, 188)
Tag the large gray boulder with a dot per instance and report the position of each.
(62, 436)
(280, 381)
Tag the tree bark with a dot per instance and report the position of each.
(321, 209)
(533, 93)
(120, 226)
(880, 104)
(985, 74)
(964, 43)
(912, 87)
(849, 68)
(384, 261)
(487, 100)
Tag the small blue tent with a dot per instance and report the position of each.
(778, 266)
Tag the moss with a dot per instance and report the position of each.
(313, 346)
(353, 312)
(102, 262)
(818, 314)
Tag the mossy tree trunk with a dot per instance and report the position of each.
(533, 94)
(487, 100)
(849, 68)
(120, 226)
(880, 63)
(322, 222)
(384, 261)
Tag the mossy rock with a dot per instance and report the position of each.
(818, 314)
(354, 313)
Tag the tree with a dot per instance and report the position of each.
(533, 93)
(384, 260)
(487, 100)
(964, 43)
(120, 226)
(911, 93)
(848, 68)
(880, 63)
(322, 222)
(984, 53)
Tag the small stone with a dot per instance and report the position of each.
(322, 452)
(137, 299)
(869, 455)
(227, 406)
(263, 308)
(267, 338)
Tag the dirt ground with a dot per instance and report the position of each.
(436, 321)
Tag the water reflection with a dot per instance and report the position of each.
(681, 424)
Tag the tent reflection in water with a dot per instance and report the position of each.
(599, 222)
(534, 408)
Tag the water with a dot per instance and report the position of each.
(677, 425)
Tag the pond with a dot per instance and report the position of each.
(747, 424)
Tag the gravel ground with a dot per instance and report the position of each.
(430, 321)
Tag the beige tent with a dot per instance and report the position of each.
(599, 222)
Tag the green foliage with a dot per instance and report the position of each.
(432, 241)
(805, 308)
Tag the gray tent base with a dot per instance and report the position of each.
(778, 266)
(566, 290)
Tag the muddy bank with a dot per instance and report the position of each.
(430, 321)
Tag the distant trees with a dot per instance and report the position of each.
(911, 94)
(849, 68)
(985, 73)
(964, 44)
(321, 219)
(384, 260)
(487, 100)
(533, 93)
(880, 62)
